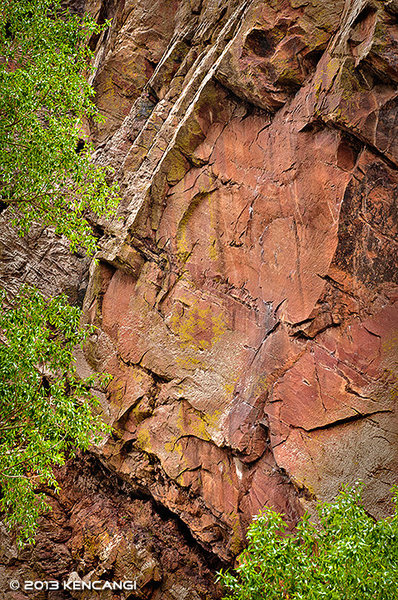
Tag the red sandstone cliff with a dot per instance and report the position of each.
(245, 301)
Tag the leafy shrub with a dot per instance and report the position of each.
(46, 172)
(46, 410)
(350, 556)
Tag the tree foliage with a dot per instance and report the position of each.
(47, 176)
(46, 410)
(349, 556)
(44, 99)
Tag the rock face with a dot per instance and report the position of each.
(88, 536)
(40, 259)
(246, 301)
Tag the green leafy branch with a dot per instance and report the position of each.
(47, 412)
(45, 99)
(348, 556)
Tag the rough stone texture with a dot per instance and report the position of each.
(246, 302)
(97, 531)
(41, 259)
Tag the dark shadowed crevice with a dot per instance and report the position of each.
(260, 43)
(110, 480)
(366, 15)
(312, 58)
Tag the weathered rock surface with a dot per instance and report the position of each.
(41, 259)
(98, 532)
(246, 302)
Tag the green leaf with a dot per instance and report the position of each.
(44, 100)
(46, 410)
(349, 555)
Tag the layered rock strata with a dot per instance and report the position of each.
(246, 299)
